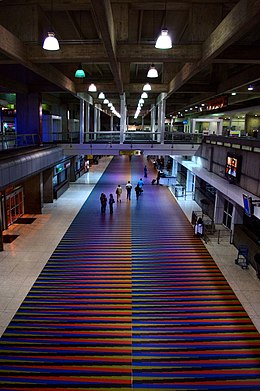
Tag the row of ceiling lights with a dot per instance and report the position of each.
(163, 42)
(152, 73)
(101, 96)
(250, 88)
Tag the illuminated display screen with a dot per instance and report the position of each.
(233, 167)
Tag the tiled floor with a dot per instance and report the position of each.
(23, 259)
(244, 282)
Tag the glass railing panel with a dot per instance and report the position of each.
(142, 137)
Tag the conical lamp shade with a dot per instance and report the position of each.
(80, 72)
(92, 88)
(147, 87)
(164, 40)
(50, 42)
(152, 72)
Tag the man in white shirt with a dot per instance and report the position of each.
(128, 190)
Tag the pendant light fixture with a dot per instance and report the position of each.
(101, 95)
(164, 40)
(50, 42)
(80, 72)
(92, 88)
(147, 87)
(152, 73)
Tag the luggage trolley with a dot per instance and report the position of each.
(242, 257)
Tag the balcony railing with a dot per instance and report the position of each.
(14, 140)
(128, 137)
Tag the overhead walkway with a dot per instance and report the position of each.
(109, 142)
(130, 301)
(117, 143)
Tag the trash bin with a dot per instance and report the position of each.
(178, 191)
(242, 257)
(257, 262)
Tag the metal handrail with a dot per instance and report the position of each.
(14, 140)
(17, 140)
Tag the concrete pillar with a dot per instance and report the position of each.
(33, 195)
(189, 182)
(162, 109)
(123, 118)
(29, 114)
(161, 104)
(48, 185)
(174, 167)
(1, 237)
(193, 125)
(72, 169)
(87, 121)
(81, 121)
(99, 125)
(95, 123)
(153, 114)
(111, 122)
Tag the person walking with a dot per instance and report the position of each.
(199, 227)
(145, 171)
(103, 201)
(128, 190)
(138, 191)
(140, 184)
(158, 177)
(111, 201)
(119, 191)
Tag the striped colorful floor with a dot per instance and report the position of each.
(130, 301)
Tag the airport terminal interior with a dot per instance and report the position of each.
(159, 289)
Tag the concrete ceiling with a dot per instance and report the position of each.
(215, 49)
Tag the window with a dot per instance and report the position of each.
(227, 214)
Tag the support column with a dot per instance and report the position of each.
(81, 121)
(189, 182)
(1, 237)
(87, 121)
(153, 114)
(33, 195)
(111, 123)
(48, 185)
(123, 118)
(29, 114)
(174, 167)
(98, 117)
(95, 122)
(161, 102)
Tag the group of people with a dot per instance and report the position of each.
(103, 201)
(138, 189)
(119, 191)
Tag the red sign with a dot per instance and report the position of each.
(217, 103)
